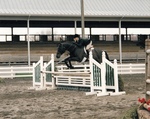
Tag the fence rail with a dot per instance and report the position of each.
(131, 68)
(26, 71)
(126, 68)
(16, 71)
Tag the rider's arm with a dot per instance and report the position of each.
(85, 42)
(79, 43)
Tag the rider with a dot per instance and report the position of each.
(80, 43)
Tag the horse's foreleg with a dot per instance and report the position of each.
(66, 62)
(72, 59)
(71, 67)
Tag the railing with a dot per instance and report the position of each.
(131, 68)
(25, 71)
(16, 71)
(126, 68)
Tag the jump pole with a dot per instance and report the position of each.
(68, 73)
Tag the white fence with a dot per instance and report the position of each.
(131, 68)
(122, 68)
(16, 71)
(25, 71)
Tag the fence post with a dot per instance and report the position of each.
(85, 69)
(53, 69)
(103, 73)
(12, 73)
(91, 71)
(42, 78)
(33, 78)
(130, 67)
(116, 76)
(147, 68)
(44, 75)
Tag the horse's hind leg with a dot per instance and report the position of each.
(107, 57)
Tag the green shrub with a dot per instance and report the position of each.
(121, 83)
(131, 113)
(2, 80)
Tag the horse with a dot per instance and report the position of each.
(78, 53)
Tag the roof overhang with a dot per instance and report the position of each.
(73, 18)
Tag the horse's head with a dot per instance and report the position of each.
(60, 50)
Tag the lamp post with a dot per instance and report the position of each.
(82, 18)
(28, 38)
(120, 44)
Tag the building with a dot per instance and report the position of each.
(67, 13)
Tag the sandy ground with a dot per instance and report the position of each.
(17, 102)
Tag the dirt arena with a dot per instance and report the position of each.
(17, 102)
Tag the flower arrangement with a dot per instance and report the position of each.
(145, 103)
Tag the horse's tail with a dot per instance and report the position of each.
(107, 57)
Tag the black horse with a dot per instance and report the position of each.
(77, 53)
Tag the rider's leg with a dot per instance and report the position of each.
(85, 56)
(84, 59)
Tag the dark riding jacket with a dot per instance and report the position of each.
(80, 43)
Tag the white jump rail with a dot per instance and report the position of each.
(124, 68)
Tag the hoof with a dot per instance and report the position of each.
(71, 67)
